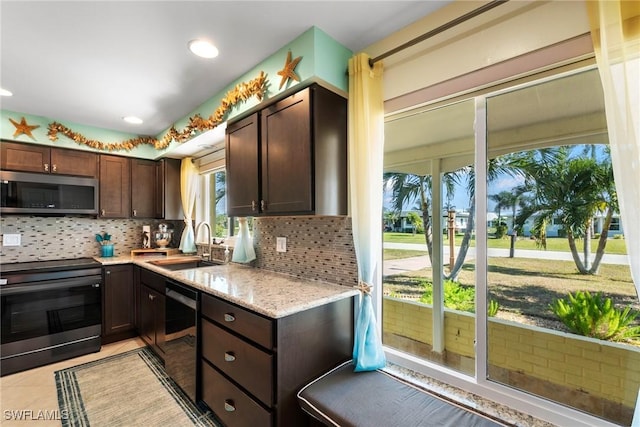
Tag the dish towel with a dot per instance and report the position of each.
(243, 251)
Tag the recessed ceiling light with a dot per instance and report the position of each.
(133, 120)
(4, 92)
(203, 48)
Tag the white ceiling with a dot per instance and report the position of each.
(93, 62)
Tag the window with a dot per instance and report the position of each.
(211, 204)
(538, 207)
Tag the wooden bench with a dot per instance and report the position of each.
(346, 398)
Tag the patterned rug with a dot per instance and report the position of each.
(128, 389)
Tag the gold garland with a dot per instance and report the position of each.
(240, 93)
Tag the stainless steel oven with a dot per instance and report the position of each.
(181, 325)
(51, 310)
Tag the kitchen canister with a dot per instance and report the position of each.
(106, 250)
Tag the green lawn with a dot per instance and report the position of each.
(528, 286)
(614, 246)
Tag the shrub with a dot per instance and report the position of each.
(457, 297)
(493, 308)
(501, 231)
(593, 316)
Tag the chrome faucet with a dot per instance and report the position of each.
(208, 237)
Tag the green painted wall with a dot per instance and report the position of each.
(7, 129)
(323, 60)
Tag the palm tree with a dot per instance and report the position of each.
(509, 165)
(390, 218)
(573, 190)
(504, 199)
(414, 219)
(405, 188)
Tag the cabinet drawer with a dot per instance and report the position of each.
(249, 366)
(244, 322)
(229, 403)
(153, 280)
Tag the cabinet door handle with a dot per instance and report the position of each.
(263, 205)
(229, 317)
(46, 167)
(54, 168)
(253, 205)
(152, 297)
(108, 272)
(229, 405)
(229, 356)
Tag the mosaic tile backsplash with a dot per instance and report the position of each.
(49, 238)
(318, 247)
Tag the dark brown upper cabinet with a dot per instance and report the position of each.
(115, 186)
(168, 202)
(144, 188)
(243, 164)
(42, 159)
(290, 158)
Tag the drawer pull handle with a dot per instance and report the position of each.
(228, 405)
(228, 317)
(229, 356)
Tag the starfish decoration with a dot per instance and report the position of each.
(23, 127)
(288, 71)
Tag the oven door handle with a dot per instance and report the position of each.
(49, 286)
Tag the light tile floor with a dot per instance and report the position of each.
(32, 396)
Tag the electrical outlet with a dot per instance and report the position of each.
(281, 244)
(11, 239)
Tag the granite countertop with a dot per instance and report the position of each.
(272, 294)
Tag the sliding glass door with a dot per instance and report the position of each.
(541, 253)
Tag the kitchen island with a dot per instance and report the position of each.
(262, 335)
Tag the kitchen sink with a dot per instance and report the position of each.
(185, 263)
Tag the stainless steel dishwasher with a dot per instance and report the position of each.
(181, 325)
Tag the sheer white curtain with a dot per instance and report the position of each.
(366, 139)
(615, 29)
(189, 180)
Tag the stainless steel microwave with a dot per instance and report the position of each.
(47, 194)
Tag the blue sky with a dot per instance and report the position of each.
(504, 183)
(461, 197)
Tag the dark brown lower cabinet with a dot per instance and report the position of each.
(151, 310)
(252, 366)
(118, 303)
